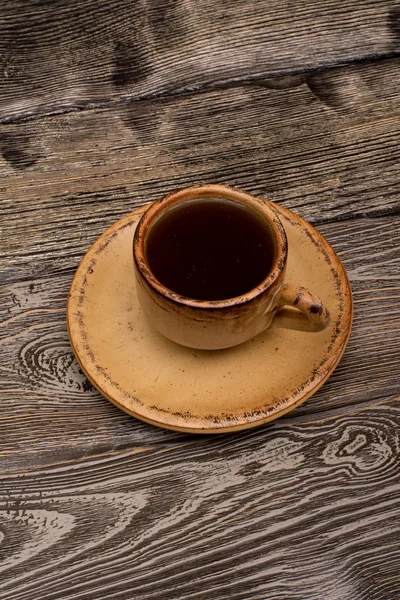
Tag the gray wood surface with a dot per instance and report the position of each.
(297, 510)
(105, 106)
(97, 51)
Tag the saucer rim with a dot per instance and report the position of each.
(333, 356)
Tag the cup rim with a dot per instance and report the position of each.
(261, 205)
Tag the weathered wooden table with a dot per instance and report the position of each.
(106, 105)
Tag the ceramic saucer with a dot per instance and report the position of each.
(197, 391)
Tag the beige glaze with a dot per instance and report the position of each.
(219, 324)
(198, 391)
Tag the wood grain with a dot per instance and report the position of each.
(62, 418)
(97, 51)
(105, 105)
(327, 147)
(291, 512)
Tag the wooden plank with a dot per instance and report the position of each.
(50, 413)
(327, 146)
(79, 53)
(290, 512)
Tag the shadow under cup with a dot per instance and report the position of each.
(210, 248)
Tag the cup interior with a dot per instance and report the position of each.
(209, 244)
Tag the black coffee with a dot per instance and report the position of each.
(210, 249)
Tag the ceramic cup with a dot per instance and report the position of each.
(218, 324)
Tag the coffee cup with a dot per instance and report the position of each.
(210, 264)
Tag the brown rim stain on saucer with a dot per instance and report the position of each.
(198, 391)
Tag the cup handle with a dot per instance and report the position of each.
(300, 309)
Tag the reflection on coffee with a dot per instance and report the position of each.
(210, 249)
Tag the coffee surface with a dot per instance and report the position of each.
(210, 249)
